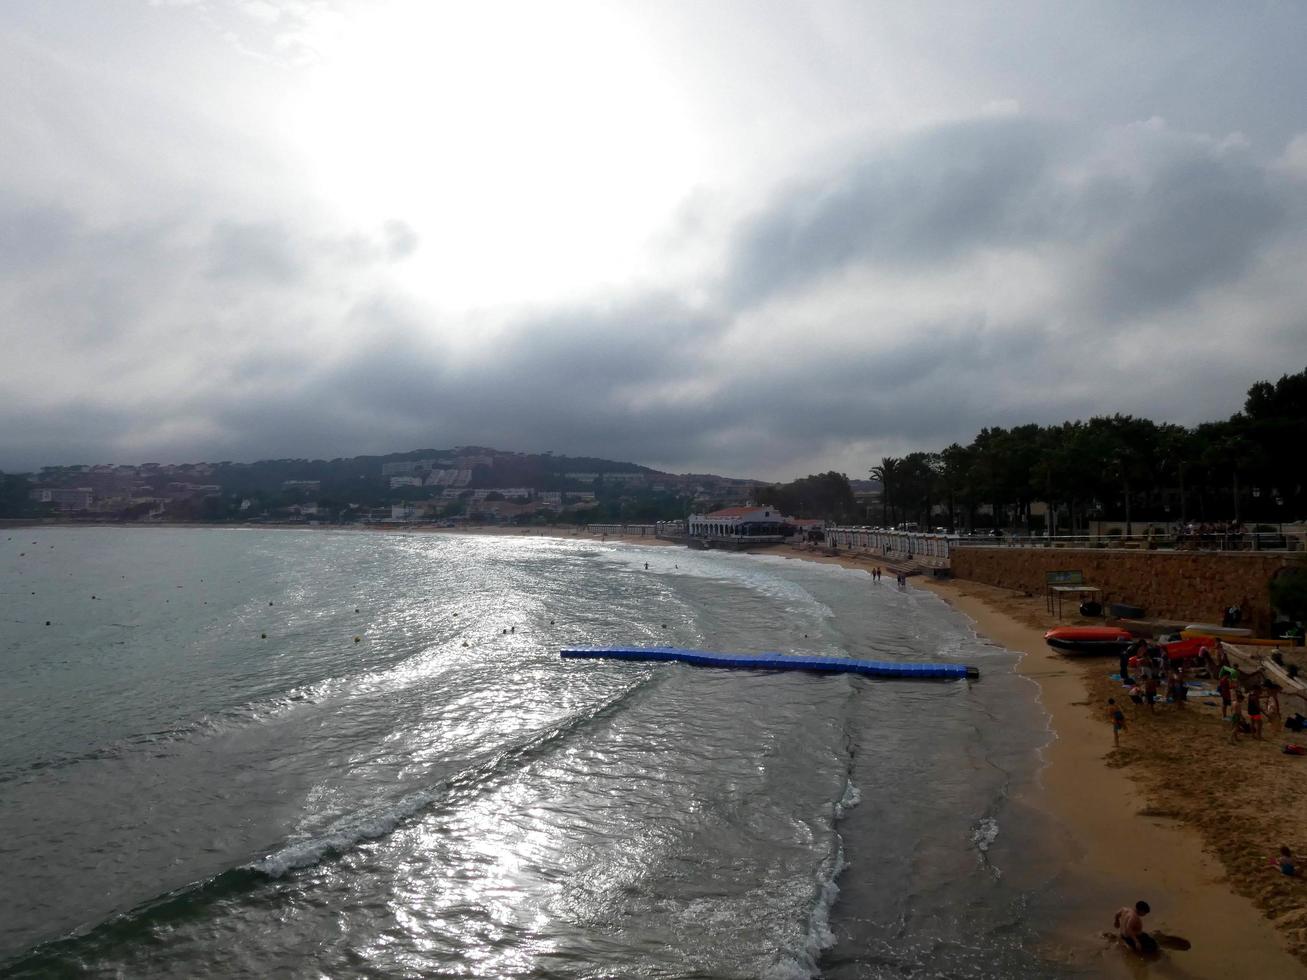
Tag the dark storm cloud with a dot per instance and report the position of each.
(1198, 224)
(1193, 220)
(929, 200)
(565, 377)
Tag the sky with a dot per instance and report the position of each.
(753, 238)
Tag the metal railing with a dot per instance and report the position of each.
(1244, 541)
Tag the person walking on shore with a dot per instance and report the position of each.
(1117, 717)
(1224, 688)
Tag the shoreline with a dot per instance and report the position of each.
(1125, 843)
(1177, 816)
(1126, 838)
(1123, 838)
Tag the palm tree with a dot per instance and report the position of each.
(886, 474)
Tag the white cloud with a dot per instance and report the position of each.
(757, 241)
(1293, 162)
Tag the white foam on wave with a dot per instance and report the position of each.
(851, 798)
(984, 833)
(380, 821)
(367, 826)
(803, 963)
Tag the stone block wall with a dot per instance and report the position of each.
(1181, 585)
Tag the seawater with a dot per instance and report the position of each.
(203, 773)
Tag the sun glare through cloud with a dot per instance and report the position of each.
(353, 220)
(534, 149)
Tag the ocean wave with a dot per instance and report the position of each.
(69, 954)
(217, 723)
(383, 820)
(258, 711)
(983, 835)
(804, 962)
(852, 797)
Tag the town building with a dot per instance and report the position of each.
(751, 521)
(65, 498)
(408, 467)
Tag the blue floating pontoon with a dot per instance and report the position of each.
(775, 661)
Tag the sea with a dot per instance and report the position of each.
(238, 752)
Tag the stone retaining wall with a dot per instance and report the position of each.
(1181, 585)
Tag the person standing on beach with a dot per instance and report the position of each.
(1236, 717)
(1150, 689)
(1133, 650)
(1117, 716)
(1255, 712)
(1175, 688)
(1223, 688)
(1272, 690)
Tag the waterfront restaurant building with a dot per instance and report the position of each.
(754, 523)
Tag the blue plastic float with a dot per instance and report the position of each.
(775, 661)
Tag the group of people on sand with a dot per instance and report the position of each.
(1247, 705)
(1247, 708)
(1146, 668)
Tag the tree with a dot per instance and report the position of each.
(825, 495)
(1289, 593)
(887, 475)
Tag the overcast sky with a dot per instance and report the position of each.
(756, 238)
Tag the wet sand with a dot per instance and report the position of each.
(1177, 816)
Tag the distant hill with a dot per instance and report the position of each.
(373, 479)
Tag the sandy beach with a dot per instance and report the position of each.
(1177, 816)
